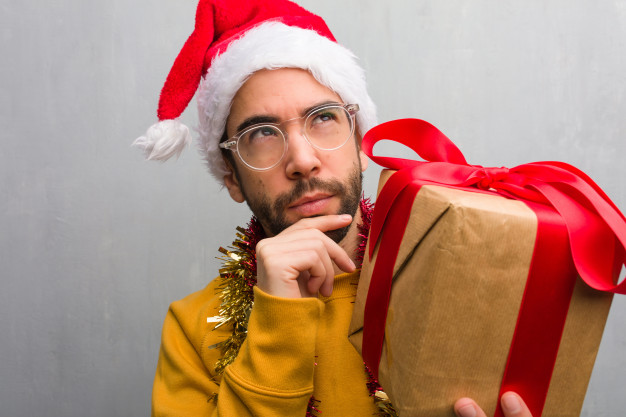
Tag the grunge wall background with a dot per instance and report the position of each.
(95, 242)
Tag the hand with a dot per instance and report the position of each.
(298, 262)
(512, 405)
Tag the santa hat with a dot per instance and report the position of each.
(232, 40)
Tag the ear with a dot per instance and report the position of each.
(232, 183)
(364, 159)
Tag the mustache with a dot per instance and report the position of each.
(304, 186)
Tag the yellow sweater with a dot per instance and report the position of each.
(295, 348)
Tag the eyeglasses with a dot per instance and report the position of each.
(263, 146)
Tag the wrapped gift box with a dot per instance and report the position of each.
(457, 286)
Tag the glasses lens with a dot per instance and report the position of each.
(329, 128)
(261, 147)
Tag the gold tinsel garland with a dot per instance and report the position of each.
(238, 276)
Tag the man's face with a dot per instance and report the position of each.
(308, 181)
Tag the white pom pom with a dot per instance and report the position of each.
(164, 140)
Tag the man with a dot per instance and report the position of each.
(282, 110)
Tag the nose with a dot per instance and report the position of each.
(302, 159)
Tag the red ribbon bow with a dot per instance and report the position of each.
(594, 241)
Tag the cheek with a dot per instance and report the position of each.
(262, 186)
(342, 160)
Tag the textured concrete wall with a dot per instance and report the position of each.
(95, 242)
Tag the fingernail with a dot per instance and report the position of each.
(510, 403)
(466, 411)
(346, 217)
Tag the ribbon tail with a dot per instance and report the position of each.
(379, 292)
(592, 240)
(542, 315)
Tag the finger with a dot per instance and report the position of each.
(338, 254)
(321, 282)
(320, 271)
(303, 280)
(290, 280)
(322, 223)
(279, 253)
(340, 257)
(295, 235)
(327, 287)
(306, 255)
(513, 405)
(298, 239)
(287, 260)
(328, 252)
(466, 407)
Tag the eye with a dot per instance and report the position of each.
(261, 133)
(323, 117)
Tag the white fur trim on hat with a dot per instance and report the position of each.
(164, 139)
(274, 45)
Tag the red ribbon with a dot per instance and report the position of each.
(579, 230)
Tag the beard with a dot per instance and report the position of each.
(272, 214)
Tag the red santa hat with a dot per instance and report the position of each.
(232, 40)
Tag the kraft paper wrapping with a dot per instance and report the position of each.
(457, 287)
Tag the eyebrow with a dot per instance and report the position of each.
(261, 119)
(320, 104)
(255, 120)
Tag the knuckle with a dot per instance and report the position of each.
(263, 247)
(312, 257)
(260, 245)
(319, 246)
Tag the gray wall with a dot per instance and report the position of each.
(95, 242)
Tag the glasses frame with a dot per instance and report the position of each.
(232, 143)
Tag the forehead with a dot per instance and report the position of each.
(280, 93)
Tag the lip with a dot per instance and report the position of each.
(309, 199)
(311, 205)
